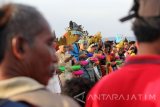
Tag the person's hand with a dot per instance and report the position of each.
(58, 71)
(77, 63)
(113, 63)
(83, 56)
(104, 66)
(68, 59)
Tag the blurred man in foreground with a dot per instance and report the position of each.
(27, 57)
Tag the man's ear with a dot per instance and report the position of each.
(19, 47)
(137, 45)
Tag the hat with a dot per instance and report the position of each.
(144, 8)
(81, 41)
(93, 45)
(149, 8)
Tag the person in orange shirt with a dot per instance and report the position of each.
(107, 52)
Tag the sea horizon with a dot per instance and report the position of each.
(114, 38)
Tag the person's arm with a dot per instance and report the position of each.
(68, 59)
(83, 56)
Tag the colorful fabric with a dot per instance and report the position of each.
(88, 69)
(75, 51)
(75, 32)
(109, 67)
(66, 75)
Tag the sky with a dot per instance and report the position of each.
(93, 15)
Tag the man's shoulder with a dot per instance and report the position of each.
(9, 103)
(45, 98)
(57, 52)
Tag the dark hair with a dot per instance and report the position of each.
(125, 40)
(77, 86)
(108, 46)
(21, 20)
(134, 49)
(132, 42)
(147, 29)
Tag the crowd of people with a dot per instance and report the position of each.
(96, 59)
(93, 57)
(39, 70)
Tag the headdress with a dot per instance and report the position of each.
(70, 36)
(95, 39)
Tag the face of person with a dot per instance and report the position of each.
(63, 48)
(93, 49)
(120, 51)
(41, 58)
(126, 46)
(106, 49)
(100, 43)
(70, 48)
(114, 49)
(77, 37)
(83, 46)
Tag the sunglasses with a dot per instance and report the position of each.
(65, 46)
(85, 44)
